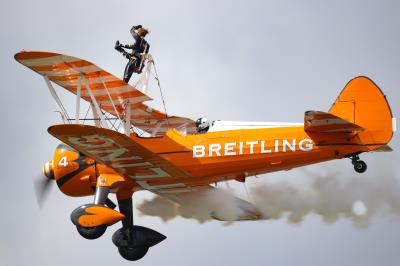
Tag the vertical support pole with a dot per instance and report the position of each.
(78, 99)
(144, 79)
(95, 116)
(147, 74)
(94, 102)
(56, 99)
(128, 119)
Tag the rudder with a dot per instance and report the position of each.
(363, 103)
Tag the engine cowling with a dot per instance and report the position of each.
(74, 173)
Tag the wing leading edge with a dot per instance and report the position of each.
(117, 151)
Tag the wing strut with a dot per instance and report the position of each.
(109, 96)
(95, 115)
(78, 99)
(128, 118)
(94, 102)
(56, 99)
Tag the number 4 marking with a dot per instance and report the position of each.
(63, 162)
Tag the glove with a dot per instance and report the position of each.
(117, 45)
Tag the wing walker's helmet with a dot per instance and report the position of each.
(202, 124)
(139, 30)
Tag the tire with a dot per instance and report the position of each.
(360, 167)
(133, 253)
(91, 232)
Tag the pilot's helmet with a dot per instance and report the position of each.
(139, 30)
(202, 124)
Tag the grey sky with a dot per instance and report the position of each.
(229, 60)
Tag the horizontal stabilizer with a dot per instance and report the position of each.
(317, 121)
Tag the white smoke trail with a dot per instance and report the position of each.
(358, 198)
(331, 195)
(202, 206)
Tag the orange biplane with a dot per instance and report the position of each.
(133, 147)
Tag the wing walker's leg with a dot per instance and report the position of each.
(130, 67)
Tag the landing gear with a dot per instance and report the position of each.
(91, 232)
(133, 241)
(359, 166)
(91, 221)
(132, 253)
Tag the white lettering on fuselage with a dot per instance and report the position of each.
(251, 147)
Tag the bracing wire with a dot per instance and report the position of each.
(87, 112)
(162, 96)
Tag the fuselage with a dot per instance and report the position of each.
(207, 158)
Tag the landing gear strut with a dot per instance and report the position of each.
(359, 166)
(133, 241)
(93, 232)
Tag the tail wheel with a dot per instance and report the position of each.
(133, 253)
(360, 166)
(91, 232)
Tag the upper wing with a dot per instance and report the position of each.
(317, 121)
(65, 70)
(118, 151)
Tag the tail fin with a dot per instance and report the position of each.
(363, 103)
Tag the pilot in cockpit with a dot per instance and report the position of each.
(203, 125)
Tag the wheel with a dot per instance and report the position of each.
(360, 167)
(133, 253)
(91, 232)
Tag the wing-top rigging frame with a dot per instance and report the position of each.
(114, 103)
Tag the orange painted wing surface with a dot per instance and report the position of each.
(203, 202)
(65, 70)
(317, 121)
(117, 151)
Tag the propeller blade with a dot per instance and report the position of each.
(42, 187)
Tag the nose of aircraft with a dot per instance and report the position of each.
(48, 169)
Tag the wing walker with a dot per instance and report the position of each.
(133, 147)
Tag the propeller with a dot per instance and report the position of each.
(42, 184)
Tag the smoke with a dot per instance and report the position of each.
(201, 206)
(358, 198)
(331, 195)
